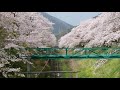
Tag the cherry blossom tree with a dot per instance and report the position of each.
(24, 29)
(104, 30)
(100, 31)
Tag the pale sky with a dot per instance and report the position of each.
(73, 18)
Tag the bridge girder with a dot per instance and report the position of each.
(73, 53)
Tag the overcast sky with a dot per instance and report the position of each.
(73, 18)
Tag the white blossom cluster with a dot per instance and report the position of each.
(5, 65)
(104, 30)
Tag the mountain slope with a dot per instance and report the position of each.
(60, 27)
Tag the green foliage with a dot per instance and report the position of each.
(111, 69)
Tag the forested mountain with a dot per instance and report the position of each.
(60, 27)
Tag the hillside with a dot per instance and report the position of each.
(60, 27)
